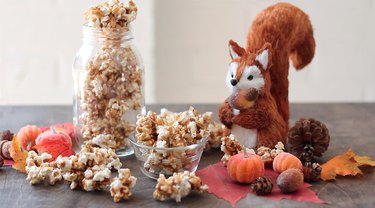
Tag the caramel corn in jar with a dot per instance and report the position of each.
(108, 78)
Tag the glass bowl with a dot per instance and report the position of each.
(157, 160)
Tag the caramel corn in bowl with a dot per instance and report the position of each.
(171, 142)
(158, 160)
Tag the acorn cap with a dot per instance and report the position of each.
(6, 135)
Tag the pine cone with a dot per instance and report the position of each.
(307, 154)
(308, 135)
(311, 171)
(262, 186)
(6, 135)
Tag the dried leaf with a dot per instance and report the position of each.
(345, 164)
(19, 156)
(364, 160)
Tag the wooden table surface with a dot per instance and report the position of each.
(350, 125)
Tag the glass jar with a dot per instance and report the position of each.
(108, 88)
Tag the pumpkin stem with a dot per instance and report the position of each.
(246, 153)
(53, 130)
(29, 146)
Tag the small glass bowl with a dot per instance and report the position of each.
(157, 160)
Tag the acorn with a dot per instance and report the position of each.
(290, 180)
(4, 149)
(243, 99)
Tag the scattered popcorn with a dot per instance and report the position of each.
(169, 130)
(268, 154)
(265, 154)
(101, 175)
(39, 169)
(279, 148)
(230, 146)
(216, 131)
(121, 185)
(33, 175)
(177, 186)
(53, 175)
(65, 163)
(94, 179)
(90, 169)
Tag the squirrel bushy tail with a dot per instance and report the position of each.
(290, 33)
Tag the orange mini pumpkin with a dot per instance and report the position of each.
(285, 161)
(245, 168)
(27, 135)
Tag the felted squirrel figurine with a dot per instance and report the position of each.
(257, 111)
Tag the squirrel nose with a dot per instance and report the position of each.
(233, 82)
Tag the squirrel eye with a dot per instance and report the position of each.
(251, 77)
(231, 75)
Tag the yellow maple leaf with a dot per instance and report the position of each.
(19, 156)
(345, 164)
(364, 160)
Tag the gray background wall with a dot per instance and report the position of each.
(184, 47)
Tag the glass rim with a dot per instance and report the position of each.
(127, 29)
(201, 142)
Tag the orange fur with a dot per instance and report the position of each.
(286, 31)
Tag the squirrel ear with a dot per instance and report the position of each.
(264, 56)
(235, 50)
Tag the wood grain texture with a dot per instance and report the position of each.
(350, 125)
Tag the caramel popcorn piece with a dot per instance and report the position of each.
(177, 186)
(230, 146)
(111, 14)
(216, 132)
(268, 154)
(146, 128)
(104, 140)
(265, 154)
(95, 178)
(90, 169)
(38, 169)
(121, 185)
